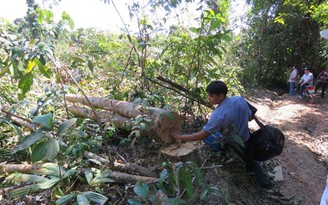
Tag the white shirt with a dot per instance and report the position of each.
(307, 78)
(293, 75)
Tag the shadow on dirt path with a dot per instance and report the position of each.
(304, 158)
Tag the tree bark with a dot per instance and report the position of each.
(117, 120)
(162, 120)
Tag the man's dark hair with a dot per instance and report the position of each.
(217, 87)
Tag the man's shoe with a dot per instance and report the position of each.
(268, 187)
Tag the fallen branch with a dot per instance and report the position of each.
(128, 167)
(119, 177)
(91, 155)
(132, 167)
(189, 93)
(129, 178)
(23, 123)
(22, 168)
(17, 116)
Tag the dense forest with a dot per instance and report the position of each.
(67, 155)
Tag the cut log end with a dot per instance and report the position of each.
(183, 152)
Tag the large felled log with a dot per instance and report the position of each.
(161, 119)
(117, 120)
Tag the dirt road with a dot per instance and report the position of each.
(305, 156)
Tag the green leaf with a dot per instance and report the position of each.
(44, 120)
(43, 68)
(141, 189)
(39, 152)
(52, 149)
(238, 140)
(28, 141)
(88, 175)
(19, 177)
(101, 180)
(90, 65)
(164, 174)
(30, 65)
(134, 202)
(215, 24)
(65, 199)
(66, 17)
(51, 169)
(82, 200)
(64, 126)
(189, 187)
(203, 194)
(25, 84)
(18, 131)
(96, 197)
(195, 30)
(78, 59)
(21, 191)
(69, 173)
(47, 184)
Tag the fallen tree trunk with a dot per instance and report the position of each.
(117, 120)
(162, 120)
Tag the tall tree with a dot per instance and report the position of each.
(280, 33)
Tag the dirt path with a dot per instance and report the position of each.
(304, 159)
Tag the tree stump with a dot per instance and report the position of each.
(183, 152)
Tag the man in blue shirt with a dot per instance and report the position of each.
(231, 113)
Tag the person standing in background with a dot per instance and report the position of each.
(292, 79)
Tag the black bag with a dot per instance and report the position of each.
(265, 143)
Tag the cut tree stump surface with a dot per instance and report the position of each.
(184, 152)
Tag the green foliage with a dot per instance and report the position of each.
(280, 34)
(96, 177)
(175, 180)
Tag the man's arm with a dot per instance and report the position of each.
(189, 137)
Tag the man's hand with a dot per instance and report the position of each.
(174, 134)
(189, 137)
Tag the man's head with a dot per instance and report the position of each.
(217, 91)
(306, 70)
